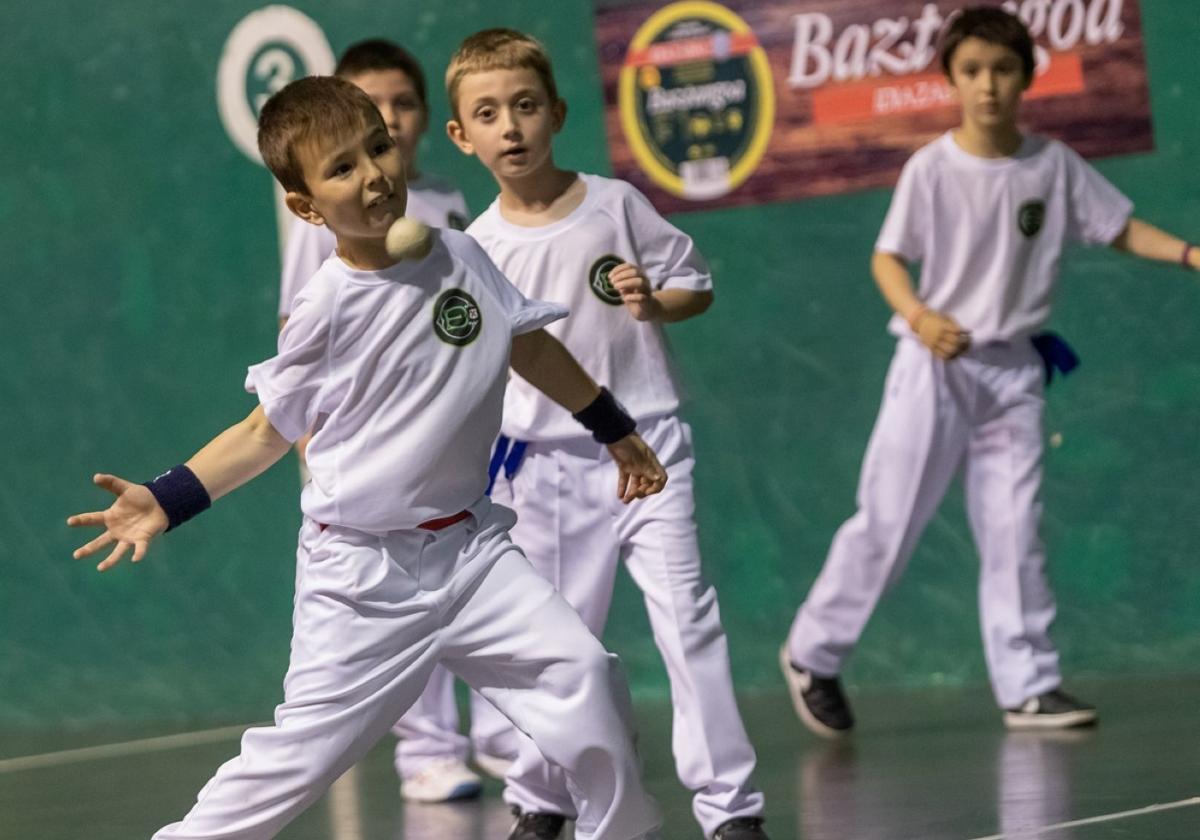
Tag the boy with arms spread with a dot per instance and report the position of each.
(597, 245)
(986, 210)
(431, 755)
(403, 563)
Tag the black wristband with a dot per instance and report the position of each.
(180, 494)
(606, 419)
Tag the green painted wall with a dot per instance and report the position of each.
(140, 280)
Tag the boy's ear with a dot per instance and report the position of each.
(458, 137)
(559, 114)
(302, 206)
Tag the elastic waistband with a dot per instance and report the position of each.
(431, 524)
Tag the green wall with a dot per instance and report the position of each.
(140, 280)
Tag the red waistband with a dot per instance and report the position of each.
(433, 524)
(445, 521)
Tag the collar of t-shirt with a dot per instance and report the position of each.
(592, 196)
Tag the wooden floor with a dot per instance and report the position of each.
(923, 765)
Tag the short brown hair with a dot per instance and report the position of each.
(498, 49)
(377, 54)
(991, 24)
(304, 111)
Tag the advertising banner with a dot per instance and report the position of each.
(751, 101)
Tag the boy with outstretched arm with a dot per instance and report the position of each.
(403, 563)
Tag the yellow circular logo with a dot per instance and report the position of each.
(697, 100)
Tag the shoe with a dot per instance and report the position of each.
(441, 780)
(535, 826)
(1052, 710)
(495, 766)
(819, 701)
(741, 828)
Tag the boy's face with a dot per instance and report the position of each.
(395, 95)
(355, 182)
(507, 119)
(989, 80)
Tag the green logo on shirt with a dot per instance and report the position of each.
(1031, 217)
(456, 317)
(598, 279)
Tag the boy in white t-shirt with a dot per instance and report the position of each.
(430, 754)
(403, 562)
(986, 211)
(597, 245)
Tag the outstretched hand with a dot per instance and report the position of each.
(639, 474)
(131, 522)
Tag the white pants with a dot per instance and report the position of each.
(982, 413)
(575, 532)
(429, 729)
(373, 616)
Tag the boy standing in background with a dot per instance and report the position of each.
(986, 210)
(597, 245)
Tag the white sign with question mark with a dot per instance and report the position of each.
(267, 49)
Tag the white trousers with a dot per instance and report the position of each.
(981, 413)
(373, 616)
(576, 532)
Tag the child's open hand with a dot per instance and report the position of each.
(635, 290)
(941, 334)
(639, 474)
(131, 522)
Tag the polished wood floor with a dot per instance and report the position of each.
(923, 765)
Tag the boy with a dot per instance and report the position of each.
(986, 211)
(597, 245)
(430, 754)
(403, 562)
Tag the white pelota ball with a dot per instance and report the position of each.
(408, 239)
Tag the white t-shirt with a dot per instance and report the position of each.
(568, 262)
(402, 373)
(989, 233)
(430, 200)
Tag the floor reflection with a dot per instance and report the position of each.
(485, 818)
(926, 786)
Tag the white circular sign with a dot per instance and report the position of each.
(266, 50)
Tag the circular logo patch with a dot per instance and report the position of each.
(697, 100)
(1031, 217)
(456, 317)
(598, 279)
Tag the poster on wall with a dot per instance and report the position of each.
(751, 101)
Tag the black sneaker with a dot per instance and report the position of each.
(535, 826)
(1052, 710)
(819, 701)
(741, 828)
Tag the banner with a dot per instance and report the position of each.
(751, 101)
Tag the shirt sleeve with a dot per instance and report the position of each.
(1098, 211)
(524, 314)
(290, 383)
(666, 254)
(307, 247)
(905, 227)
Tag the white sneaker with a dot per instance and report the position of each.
(495, 766)
(441, 780)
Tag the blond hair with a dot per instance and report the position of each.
(304, 112)
(498, 49)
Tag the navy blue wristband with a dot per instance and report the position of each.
(606, 419)
(180, 494)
